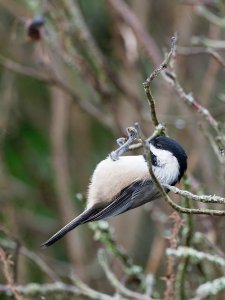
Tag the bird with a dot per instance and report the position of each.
(124, 184)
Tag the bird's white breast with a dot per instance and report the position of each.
(110, 177)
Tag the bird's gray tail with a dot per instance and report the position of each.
(82, 218)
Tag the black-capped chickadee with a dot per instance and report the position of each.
(124, 184)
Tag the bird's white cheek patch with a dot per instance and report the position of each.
(167, 170)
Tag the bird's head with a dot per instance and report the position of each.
(168, 155)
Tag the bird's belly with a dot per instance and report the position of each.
(110, 177)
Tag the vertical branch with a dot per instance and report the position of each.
(170, 274)
(187, 238)
(153, 75)
(60, 111)
(8, 275)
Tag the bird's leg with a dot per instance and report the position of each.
(124, 143)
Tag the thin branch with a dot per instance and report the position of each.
(196, 255)
(191, 101)
(57, 288)
(187, 233)
(32, 256)
(24, 70)
(83, 35)
(6, 262)
(52, 79)
(98, 72)
(209, 16)
(216, 144)
(165, 63)
(201, 50)
(104, 234)
(177, 207)
(209, 43)
(169, 278)
(149, 162)
(153, 75)
(91, 293)
(201, 198)
(116, 283)
(210, 288)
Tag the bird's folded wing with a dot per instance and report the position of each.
(132, 196)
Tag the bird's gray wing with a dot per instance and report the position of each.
(132, 196)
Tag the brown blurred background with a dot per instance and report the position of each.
(68, 89)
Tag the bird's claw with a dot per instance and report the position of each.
(124, 143)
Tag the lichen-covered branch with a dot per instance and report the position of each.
(210, 288)
(170, 277)
(196, 255)
(104, 234)
(200, 198)
(55, 289)
(116, 283)
(190, 100)
(187, 233)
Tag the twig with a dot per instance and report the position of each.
(187, 232)
(190, 100)
(201, 198)
(206, 42)
(197, 2)
(216, 144)
(201, 50)
(57, 288)
(165, 63)
(197, 255)
(53, 80)
(148, 158)
(89, 292)
(85, 38)
(201, 238)
(153, 75)
(170, 274)
(208, 15)
(210, 288)
(4, 258)
(115, 282)
(163, 192)
(98, 72)
(32, 256)
(104, 234)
